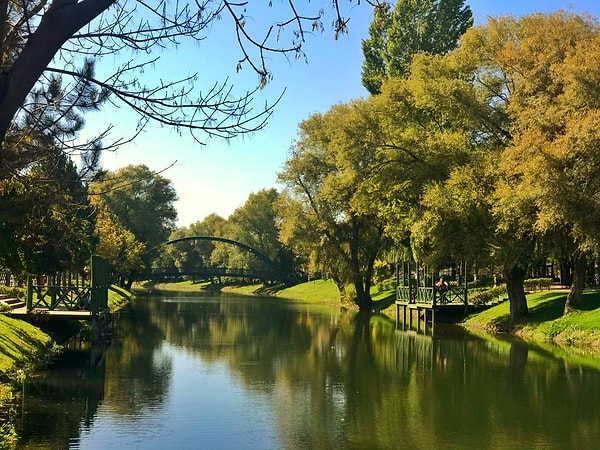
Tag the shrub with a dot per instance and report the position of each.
(13, 291)
(537, 284)
(487, 296)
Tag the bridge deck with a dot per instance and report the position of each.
(55, 313)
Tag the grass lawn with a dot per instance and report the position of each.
(20, 344)
(316, 291)
(117, 297)
(546, 323)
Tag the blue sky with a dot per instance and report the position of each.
(218, 177)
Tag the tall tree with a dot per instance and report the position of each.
(324, 205)
(190, 255)
(142, 202)
(115, 242)
(54, 230)
(526, 88)
(555, 106)
(257, 224)
(466, 92)
(254, 224)
(413, 26)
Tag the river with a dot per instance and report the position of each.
(225, 372)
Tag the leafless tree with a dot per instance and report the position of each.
(49, 50)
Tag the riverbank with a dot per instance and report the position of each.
(23, 348)
(323, 292)
(578, 332)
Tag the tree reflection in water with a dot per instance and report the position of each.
(325, 379)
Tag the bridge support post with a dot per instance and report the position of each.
(29, 301)
(99, 298)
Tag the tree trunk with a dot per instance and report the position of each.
(361, 284)
(516, 294)
(565, 271)
(59, 22)
(363, 297)
(578, 283)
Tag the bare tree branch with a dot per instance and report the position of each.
(43, 42)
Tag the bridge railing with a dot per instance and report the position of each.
(454, 294)
(207, 272)
(70, 298)
(67, 293)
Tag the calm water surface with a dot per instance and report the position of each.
(254, 373)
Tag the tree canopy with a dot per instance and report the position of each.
(523, 88)
(138, 214)
(412, 26)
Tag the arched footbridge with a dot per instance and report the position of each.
(272, 271)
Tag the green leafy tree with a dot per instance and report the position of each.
(325, 207)
(413, 26)
(254, 224)
(115, 242)
(190, 255)
(467, 93)
(456, 223)
(525, 90)
(54, 229)
(140, 201)
(54, 68)
(554, 156)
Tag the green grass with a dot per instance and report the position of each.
(180, 286)
(546, 323)
(316, 291)
(313, 291)
(20, 344)
(117, 297)
(249, 289)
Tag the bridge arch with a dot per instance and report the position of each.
(260, 255)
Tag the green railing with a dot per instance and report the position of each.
(62, 293)
(427, 295)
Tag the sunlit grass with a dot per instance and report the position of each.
(249, 289)
(312, 291)
(117, 297)
(546, 322)
(20, 343)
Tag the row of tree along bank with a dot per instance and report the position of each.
(476, 150)
(479, 159)
(546, 323)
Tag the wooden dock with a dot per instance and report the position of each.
(54, 313)
(427, 314)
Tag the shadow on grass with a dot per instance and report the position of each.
(547, 307)
(550, 307)
(270, 289)
(590, 301)
(553, 309)
(547, 310)
(501, 323)
(380, 305)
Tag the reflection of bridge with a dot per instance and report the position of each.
(273, 273)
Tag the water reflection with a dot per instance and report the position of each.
(264, 373)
